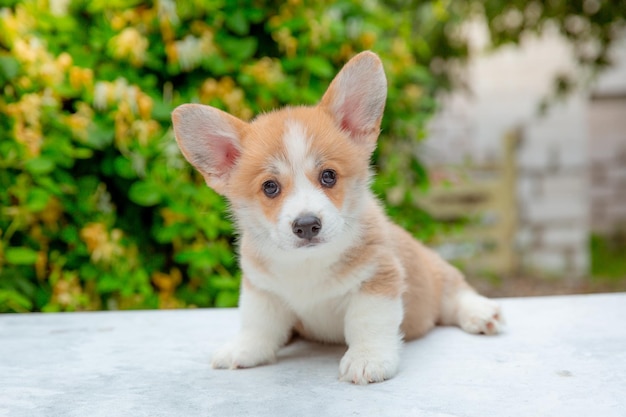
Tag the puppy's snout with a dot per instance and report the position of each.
(306, 227)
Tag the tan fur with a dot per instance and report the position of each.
(422, 278)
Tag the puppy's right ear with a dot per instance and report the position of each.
(210, 140)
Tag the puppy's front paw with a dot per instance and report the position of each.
(243, 353)
(363, 367)
(480, 315)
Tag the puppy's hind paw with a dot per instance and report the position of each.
(480, 315)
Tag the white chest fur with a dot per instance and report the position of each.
(313, 291)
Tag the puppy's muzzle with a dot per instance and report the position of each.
(307, 226)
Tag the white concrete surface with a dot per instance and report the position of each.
(559, 356)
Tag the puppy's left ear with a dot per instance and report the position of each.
(356, 97)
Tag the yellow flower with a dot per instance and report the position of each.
(26, 114)
(286, 42)
(37, 62)
(143, 130)
(403, 57)
(59, 7)
(51, 214)
(24, 51)
(117, 22)
(67, 291)
(166, 11)
(190, 51)
(123, 120)
(413, 92)
(346, 52)
(14, 25)
(64, 60)
(167, 282)
(81, 78)
(130, 45)
(166, 285)
(226, 90)
(144, 105)
(171, 217)
(102, 245)
(172, 52)
(368, 39)
(266, 71)
(80, 121)
(41, 265)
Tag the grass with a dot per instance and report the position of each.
(608, 257)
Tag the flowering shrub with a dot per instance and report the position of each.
(98, 210)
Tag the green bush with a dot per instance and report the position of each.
(98, 208)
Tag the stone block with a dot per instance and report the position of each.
(563, 237)
(565, 185)
(545, 260)
(572, 263)
(616, 175)
(547, 210)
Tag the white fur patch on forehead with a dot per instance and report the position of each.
(298, 147)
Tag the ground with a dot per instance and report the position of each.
(523, 286)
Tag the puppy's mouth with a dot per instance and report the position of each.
(309, 243)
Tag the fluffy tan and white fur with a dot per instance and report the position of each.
(318, 254)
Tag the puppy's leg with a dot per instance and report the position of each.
(372, 330)
(462, 306)
(266, 324)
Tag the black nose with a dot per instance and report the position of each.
(306, 227)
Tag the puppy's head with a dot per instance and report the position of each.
(296, 178)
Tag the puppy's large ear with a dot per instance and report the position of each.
(210, 140)
(356, 97)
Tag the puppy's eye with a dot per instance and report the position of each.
(271, 188)
(328, 178)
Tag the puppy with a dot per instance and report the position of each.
(318, 254)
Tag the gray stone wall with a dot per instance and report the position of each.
(553, 191)
(552, 158)
(571, 177)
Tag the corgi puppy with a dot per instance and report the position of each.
(318, 254)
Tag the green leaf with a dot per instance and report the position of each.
(69, 234)
(124, 168)
(12, 301)
(9, 67)
(40, 165)
(226, 299)
(99, 137)
(239, 49)
(108, 283)
(237, 22)
(319, 66)
(37, 199)
(20, 256)
(88, 271)
(82, 153)
(202, 258)
(224, 283)
(145, 193)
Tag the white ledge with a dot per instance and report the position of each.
(559, 356)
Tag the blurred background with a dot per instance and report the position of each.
(503, 143)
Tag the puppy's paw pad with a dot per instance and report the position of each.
(362, 369)
(481, 316)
